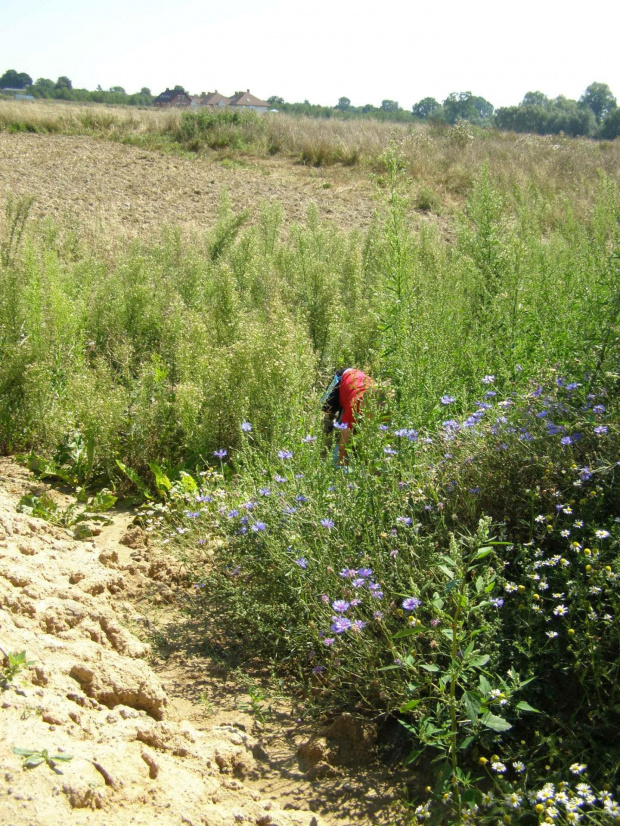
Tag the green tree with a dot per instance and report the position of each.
(64, 83)
(15, 80)
(343, 104)
(274, 100)
(465, 106)
(610, 127)
(147, 92)
(43, 87)
(599, 97)
(118, 90)
(535, 99)
(425, 107)
(390, 105)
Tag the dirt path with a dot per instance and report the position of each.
(117, 189)
(152, 741)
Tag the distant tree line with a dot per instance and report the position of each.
(596, 114)
(62, 89)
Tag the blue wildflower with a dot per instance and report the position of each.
(411, 603)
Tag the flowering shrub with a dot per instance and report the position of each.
(466, 580)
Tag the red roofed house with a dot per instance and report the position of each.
(244, 100)
(215, 99)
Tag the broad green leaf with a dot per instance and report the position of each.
(523, 706)
(133, 476)
(473, 704)
(446, 570)
(24, 752)
(410, 705)
(34, 761)
(429, 667)
(466, 743)
(62, 757)
(450, 586)
(485, 685)
(413, 756)
(162, 483)
(494, 722)
(479, 660)
(483, 552)
(479, 585)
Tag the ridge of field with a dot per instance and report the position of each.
(443, 161)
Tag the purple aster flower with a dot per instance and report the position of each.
(390, 451)
(341, 425)
(355, 602)
(378, 594)
(301, 498)
(489, 394)
(358, 625)
(488, 379)
(340, 625)
(406, 520)
(341, 605)
(302, 562)
(329, 641)
(498, 602)
(411, 603)
(364, 572)
(220, 454)
(327, 523)
(435, 622)
(383, 428)
(280, 479)
(598, 408)
(348, 573)
(325, 599)
(566, 440)
(412, 435)
(318, 669)
(447, 399)
(264, 491)
(203, 499)
(288, 510)
(285, 454)
(358, 583)
(475, 490)
(585, 473)
(231, 514)
(192, 514)
(572, 386)
(538, 392)
(601, 429)
(543, 414)
(402, 434)
(309, 439)
(246, 427)
(378, 615)
(257, 527)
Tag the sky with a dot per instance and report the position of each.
(320, 50)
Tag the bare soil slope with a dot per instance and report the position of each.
(92, 695)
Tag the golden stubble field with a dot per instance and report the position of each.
(115, 189)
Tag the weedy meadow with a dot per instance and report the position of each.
(460, 575)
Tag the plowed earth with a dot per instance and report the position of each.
(121, 190)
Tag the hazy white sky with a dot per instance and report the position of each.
(319, 50)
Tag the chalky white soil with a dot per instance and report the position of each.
(92, 695)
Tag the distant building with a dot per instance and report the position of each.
(215, 99)
(174, 98)
(245, 100)
(240, 100)
(24, 97)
